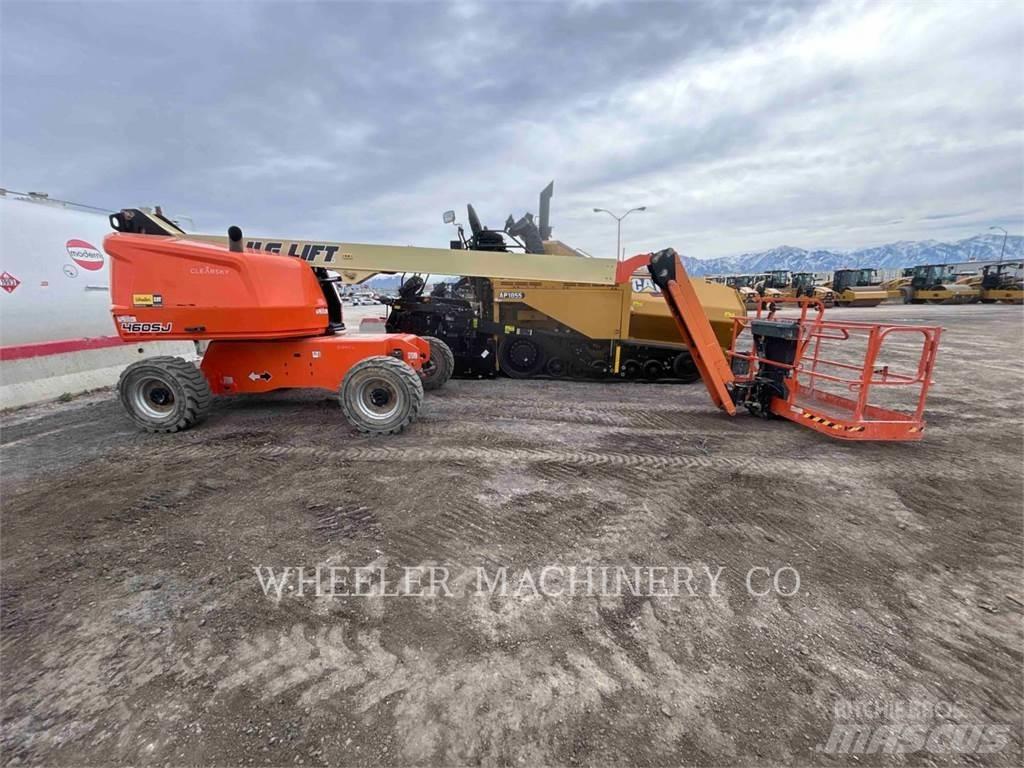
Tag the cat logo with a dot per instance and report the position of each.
(147, 300)
(644, 285)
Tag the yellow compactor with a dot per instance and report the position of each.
(857, 288)
(932, 284)
(1002, 282)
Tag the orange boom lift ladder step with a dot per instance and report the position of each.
(786, 373)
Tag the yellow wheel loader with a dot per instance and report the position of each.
(857, 288)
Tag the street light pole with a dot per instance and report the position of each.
(618, 226)
(1003, 249)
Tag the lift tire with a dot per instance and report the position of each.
(520, 357)
(440, 367)
(164, 394)
(381, 395)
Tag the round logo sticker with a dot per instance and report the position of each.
(85, 255)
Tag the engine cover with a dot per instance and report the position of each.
(169, 288)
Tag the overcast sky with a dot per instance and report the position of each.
(741, 126)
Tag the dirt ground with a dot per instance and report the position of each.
(135, 630)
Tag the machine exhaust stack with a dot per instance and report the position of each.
(545, 210)
(235, 239)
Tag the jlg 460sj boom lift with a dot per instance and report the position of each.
(272, 323)
(271, 320)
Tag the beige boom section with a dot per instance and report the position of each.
(585, 294)
(357, 262)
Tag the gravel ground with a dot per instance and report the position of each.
(135, 629)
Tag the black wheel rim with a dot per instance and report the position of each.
(380, 397)
(522, 356)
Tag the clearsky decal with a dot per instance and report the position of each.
(85, 255)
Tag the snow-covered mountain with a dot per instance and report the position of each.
(890, 256)
(905, 253)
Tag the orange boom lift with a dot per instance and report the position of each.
(271, 323)
(788, 369)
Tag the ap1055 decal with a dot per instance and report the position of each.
(85, 255)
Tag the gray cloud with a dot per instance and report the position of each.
(740, 125)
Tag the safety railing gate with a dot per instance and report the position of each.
(851, 380)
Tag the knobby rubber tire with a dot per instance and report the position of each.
(397, 378)
(441, 364)
(185, 382)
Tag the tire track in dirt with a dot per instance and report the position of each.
(500, 456)
(571, 412)
(61, 440)
(448, 534)
(639, 425)
(824, 464)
